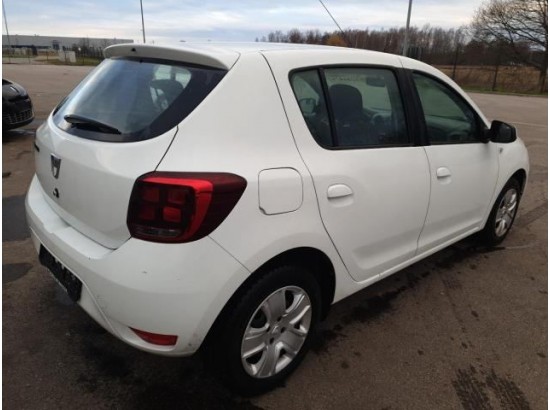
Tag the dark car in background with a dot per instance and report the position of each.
(16, 106)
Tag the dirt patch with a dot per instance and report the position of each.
(478, 390)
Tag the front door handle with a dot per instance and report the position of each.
(338, 191)
(443, 172)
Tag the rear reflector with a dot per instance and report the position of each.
(156, 339)
(180, 207)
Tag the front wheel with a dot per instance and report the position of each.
(502, 215)
(268, 332)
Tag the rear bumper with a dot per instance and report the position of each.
(172, 289)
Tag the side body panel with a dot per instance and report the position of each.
(241, 128)
(489, 166)
(459, 200)
(376, 224)
(511, 157)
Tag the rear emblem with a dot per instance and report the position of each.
(56, 166)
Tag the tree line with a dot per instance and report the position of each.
(502, 32)
(433, 45)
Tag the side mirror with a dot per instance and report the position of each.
(502, 132)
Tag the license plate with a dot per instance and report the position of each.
(23, 104)
(68, 281)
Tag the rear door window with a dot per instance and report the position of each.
(126, 100)
(311, 99)
(367, 107)
(356, 107)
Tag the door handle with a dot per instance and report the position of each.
(443, 172)
(338, 191)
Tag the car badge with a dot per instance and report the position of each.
(56, 165)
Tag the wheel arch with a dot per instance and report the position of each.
(312, 259)
(521, 176)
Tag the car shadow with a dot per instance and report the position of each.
(377, 300)
(12, 136)
(29, 130)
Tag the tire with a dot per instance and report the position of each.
(502, 215)
(279, 314)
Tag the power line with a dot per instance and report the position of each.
(337, 25)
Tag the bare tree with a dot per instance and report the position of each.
(295, 36)
(520, 24)
(313, 37)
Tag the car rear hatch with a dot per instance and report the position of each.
(116, 126)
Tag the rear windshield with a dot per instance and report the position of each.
(126, 99)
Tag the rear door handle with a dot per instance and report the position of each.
(443, 172)
(338, 191)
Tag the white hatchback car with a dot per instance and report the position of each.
(224, 196)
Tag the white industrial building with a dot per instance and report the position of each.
(58, 42)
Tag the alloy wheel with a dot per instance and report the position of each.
(506, 212)
(276, 332)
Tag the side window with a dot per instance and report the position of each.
(168, 82)
(449, 119)
(309, 93)
(367, 107)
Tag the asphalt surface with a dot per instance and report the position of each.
(465, 328)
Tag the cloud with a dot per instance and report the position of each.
(174, 20)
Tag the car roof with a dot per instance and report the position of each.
(224, 54)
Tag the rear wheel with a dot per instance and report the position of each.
(268, 333)
(502, 215)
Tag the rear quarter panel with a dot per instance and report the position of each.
(241, 128)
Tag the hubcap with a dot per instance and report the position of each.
(276, 332)
(506, 212)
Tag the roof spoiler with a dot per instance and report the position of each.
(200, 55)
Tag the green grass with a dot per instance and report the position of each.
(88, 61)
(488, 90)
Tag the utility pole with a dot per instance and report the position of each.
(142, 21)
(406, 42)
(7, 31)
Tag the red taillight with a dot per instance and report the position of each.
(181, 207)
(155, 338)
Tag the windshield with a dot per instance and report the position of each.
(139, 98)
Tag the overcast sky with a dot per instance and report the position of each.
(174, 20)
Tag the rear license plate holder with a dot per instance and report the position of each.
(69, 282)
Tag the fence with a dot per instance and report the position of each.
(478, 67)
(27, 55)
(513, 79)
